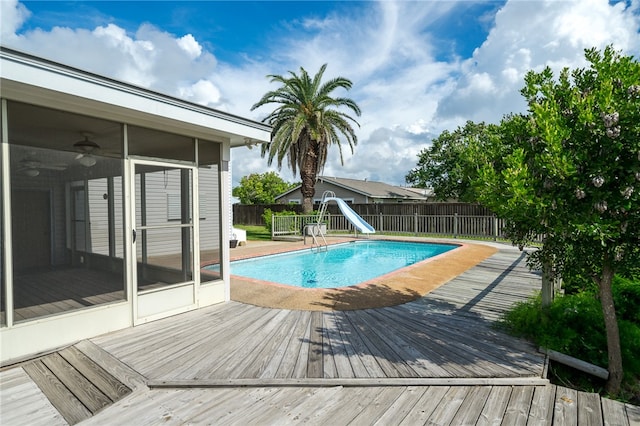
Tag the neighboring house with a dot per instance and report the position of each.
(356, 191)
(112, 197)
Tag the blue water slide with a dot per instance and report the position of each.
(352, 216)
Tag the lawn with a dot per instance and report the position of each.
(255, 232)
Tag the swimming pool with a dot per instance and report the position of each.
(341, 265)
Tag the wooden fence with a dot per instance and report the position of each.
(252, 214)
(453, 225)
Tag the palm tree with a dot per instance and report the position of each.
(305, 123)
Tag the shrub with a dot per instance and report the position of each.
(267, 216)
(626, 296)
(574, 325)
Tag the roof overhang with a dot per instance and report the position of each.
(34, 80)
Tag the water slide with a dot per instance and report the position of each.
(352, 216)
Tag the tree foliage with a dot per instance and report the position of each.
(305, 123)
(261, 188)
(446, 165)
(571, 172)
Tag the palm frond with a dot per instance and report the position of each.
(307, 119)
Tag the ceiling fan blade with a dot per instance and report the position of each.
(58, 167)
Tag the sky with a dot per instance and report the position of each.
(418, 68)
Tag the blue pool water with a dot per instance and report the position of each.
(340, 266)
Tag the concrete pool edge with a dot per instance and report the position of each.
(396, 288)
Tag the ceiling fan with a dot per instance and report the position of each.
(31, 166)
(86, 149)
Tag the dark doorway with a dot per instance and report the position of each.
(31, 228)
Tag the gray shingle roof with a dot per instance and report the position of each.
(372, 189)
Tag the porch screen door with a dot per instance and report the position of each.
(163, 239)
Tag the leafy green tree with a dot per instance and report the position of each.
(305, 123)
(446, 165)
(261, 188)
(572, 174)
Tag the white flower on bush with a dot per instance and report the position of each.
(610, 120)
(613, 132)
(597, 181)
(601, 206)
(628, 191)
(580, 194)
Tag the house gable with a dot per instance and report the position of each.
(357, 192)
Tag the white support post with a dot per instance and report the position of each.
(5, 192)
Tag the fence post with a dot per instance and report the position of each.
(495, 228)
(273, 226)
(455, 225)
(380, 223)
(415, 223)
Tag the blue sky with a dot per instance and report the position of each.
(233, 29)
(418, 67)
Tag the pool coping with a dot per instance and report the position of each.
(394, 288)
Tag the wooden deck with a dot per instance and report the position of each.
(436, 360)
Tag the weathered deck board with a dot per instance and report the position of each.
(88, 394)
(116, 368)
(411, 340)
(542, 405)
(388, 359)
(76, 384)
(566, 407)
(517, 411)
(106, 383)
(495, 406)
(469, 412)
(401, 406)
(315, 367)
(287, 366)
(449, 405)
(366, 361)
(339, 350)
(633, 414)
(424, 406)
(23, 403)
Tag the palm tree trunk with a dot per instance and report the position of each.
(308, 174)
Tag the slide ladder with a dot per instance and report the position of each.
(315, 229)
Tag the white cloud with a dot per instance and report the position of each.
(189, 44)
(202, 92)
(13, 15)
(529, 35)
(406, 93)
(138, 55)
(418, 128)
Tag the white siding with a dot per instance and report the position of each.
(209, 208)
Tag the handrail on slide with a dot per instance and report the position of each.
(359, 223)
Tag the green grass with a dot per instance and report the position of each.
(255, 233)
